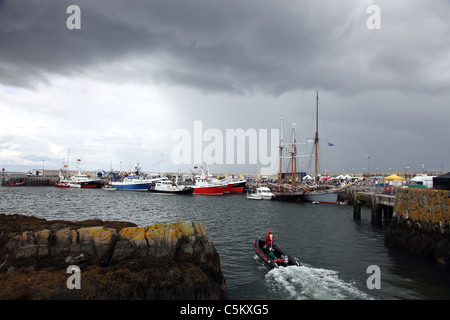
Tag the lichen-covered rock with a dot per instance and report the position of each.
(117, 260)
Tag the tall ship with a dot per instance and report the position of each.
(285, 192)
(319, 194)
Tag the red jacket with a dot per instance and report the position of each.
(269, 238)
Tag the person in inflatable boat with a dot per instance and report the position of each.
(269, 240)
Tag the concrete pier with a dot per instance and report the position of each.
(382, 206)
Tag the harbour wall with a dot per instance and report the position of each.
(421, 223)
(30, 181)
(36, 181)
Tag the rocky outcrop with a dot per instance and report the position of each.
(421, 223)
(116, 260)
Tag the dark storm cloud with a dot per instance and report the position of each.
(235, 46)
(35, 41)
(256, 55)
(232, 46)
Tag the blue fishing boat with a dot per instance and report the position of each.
(132, 183)
(136, 182)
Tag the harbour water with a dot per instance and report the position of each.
(335, 251)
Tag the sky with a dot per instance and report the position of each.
(161, 82)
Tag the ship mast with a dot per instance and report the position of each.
(294, 159)
(316, 140)
(281, 152)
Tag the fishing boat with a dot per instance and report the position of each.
(206, 185)
(281, 258)
(109, 187)
(15, 184)
(79, 180)
(261, 193)
(217, 182)
(82, 180)
(63, 181)
(137, 181)
(62, 184)
(167, 186)
(238, 186)
(320, 194)
(132, 183)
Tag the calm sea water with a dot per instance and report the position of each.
(334, 250)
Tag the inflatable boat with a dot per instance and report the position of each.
(279, 258)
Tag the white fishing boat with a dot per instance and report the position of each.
(167, 186)
(109, 187)
(261, 193)
(82, 180)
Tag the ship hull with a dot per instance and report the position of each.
(322, 196)
(210, 190)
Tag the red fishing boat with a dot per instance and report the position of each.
(205, 187)
(16, 184)
(61, 184)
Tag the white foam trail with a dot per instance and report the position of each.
(303, 282)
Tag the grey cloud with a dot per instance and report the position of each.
(259, 59)
(229, 46)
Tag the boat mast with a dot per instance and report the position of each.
(316, 139)
(281, 151)
(294, 159)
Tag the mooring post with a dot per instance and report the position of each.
(356, 207)
(376, 212)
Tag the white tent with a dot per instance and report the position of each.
(423, 179)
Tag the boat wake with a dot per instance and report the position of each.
(307, 283)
